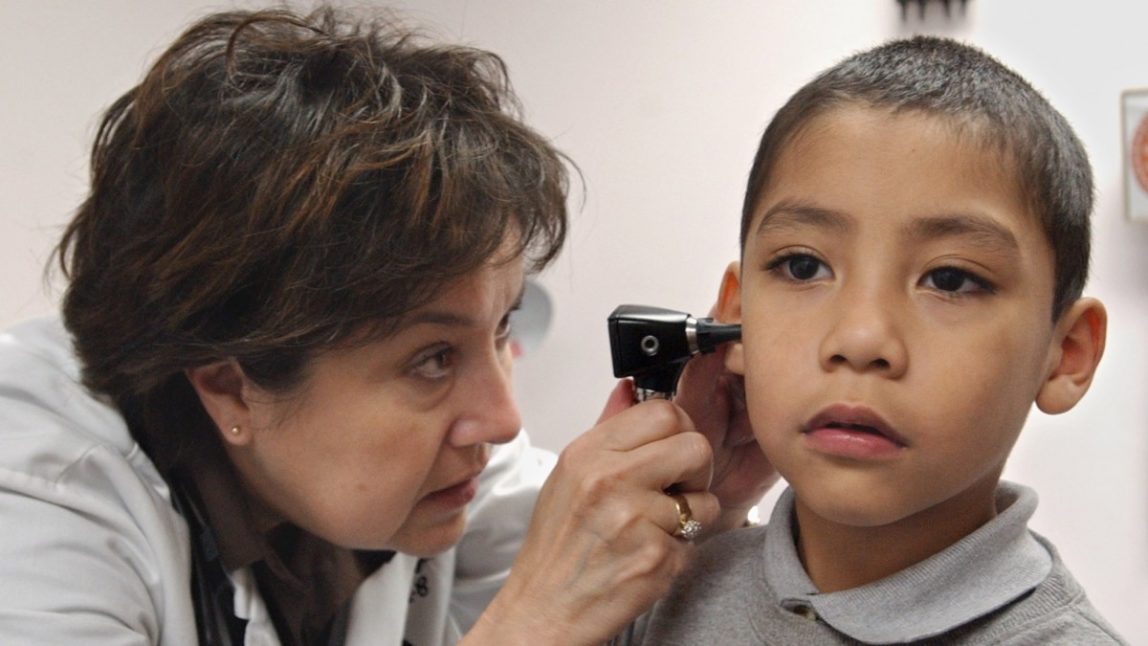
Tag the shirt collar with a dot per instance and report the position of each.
(305, 581)
(982, 572)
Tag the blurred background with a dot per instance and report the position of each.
(661, 103)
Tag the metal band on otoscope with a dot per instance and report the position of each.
(644, 394)
(692, 334)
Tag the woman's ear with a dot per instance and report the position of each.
(221, 387)
(729, 311)
(1078, 344)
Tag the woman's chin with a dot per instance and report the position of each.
(427, 540)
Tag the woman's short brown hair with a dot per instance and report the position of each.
(279, 183)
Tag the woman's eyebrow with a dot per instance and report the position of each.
(437, 317)
(447, 318)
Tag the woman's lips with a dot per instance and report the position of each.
(456, 495)
(852, 432)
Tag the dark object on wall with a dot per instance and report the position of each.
(921, 4)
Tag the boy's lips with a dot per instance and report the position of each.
(852, 432)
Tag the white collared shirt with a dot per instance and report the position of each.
(92, 552)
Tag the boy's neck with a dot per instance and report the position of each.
(839, 557)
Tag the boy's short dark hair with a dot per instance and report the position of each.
(981, 98)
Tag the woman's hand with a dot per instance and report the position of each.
(600, 549)
(714, 398)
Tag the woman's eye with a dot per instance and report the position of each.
(800, 267)
(435, 366)
(956, 281)
(504, 329)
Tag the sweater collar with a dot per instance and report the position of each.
(982, 572)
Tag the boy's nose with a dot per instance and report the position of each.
(865, 337)
(490, 411)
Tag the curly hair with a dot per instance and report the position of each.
(279, 184)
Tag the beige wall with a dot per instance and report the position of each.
(660, 103)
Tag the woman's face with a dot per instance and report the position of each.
(382, 445)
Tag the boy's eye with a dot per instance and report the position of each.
(800, 267)
(956, 281)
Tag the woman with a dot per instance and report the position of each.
(289, 300)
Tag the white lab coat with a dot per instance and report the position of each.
(92, 552)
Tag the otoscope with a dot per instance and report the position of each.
(653, 344)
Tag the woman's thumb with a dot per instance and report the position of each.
(621, 398)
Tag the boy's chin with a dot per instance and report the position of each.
(907, 505)
(863, 518)
(853, 512)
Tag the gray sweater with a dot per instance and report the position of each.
(1002, 584)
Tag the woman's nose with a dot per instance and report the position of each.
(490, 410)
(865, 335)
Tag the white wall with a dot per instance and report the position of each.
(661, 102)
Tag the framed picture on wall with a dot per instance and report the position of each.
(1134, 107)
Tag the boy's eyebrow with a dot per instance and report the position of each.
(979, 229)
(789, 213)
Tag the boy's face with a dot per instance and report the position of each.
(895, 296)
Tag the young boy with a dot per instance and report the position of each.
(915, 239)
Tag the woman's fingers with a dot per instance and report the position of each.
(638, 424)
(700, 507)
(607, 537)
(682, 462)
(621, 398)
(653, 445)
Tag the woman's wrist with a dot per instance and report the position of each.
(511, 621)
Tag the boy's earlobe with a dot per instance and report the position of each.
(729, 311)
(220, 387)
(1079, 337)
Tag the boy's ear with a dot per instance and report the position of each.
(729, 311)
(221, 387)
(1078, 344)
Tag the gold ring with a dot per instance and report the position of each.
(688, 528)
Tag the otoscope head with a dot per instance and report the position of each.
(646, 338)
(653, 344)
